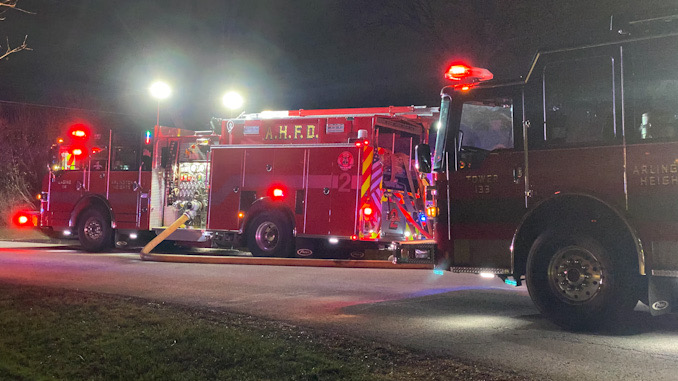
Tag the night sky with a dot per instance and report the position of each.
(103, 55)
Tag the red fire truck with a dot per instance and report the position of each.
(293, 183)
(566, 179)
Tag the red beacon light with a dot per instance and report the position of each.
(78, 131)
(276, 192)
(24, 219)
(466, 76)
(362, 143)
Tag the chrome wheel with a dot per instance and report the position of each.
(93, 229)
(267, 236)
(575, 274)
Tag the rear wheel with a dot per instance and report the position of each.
(270, 235)
(94, 231)
(576, 282)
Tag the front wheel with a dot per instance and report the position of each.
(270, 235)
(577, 284)
(94, 231)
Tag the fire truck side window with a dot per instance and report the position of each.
(578, 101)
(487, 125)
(125, 152)
(651, 88)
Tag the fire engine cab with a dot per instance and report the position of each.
(566, 179)
(285, 183)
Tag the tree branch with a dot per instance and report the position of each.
(6, 5)
(11, 50)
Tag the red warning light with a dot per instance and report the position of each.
(24, 219)
(276, 192)
(78, 131)
(76, 152)
(467, 75)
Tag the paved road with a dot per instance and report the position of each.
(464, 316)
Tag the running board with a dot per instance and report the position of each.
(480, 270)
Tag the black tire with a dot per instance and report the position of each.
(94, 231)
(577, 284)
(270, 235)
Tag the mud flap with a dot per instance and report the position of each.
(661, 294)
(305, 248)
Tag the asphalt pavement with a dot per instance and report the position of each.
(458, 315)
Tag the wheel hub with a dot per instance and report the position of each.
(576, 274)
(267, 235)
(93, 229)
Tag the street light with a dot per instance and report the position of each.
(232, 100)
(159, 90)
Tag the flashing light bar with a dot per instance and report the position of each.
(466, 76)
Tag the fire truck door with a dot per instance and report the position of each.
(579, 147)
(66, 189)
(124, 188)
(487, 192)
(332, 178)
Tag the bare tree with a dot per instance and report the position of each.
(7, 6)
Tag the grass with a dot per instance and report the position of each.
(58, 334)
(55, 334)
(24, 234)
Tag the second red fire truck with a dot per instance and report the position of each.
(294, 183)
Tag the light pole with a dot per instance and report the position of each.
(159, 90)
(232, 100)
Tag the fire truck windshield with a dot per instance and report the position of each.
(487, 125)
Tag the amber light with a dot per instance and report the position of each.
(241, 214)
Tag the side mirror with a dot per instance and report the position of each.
(423, 155)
